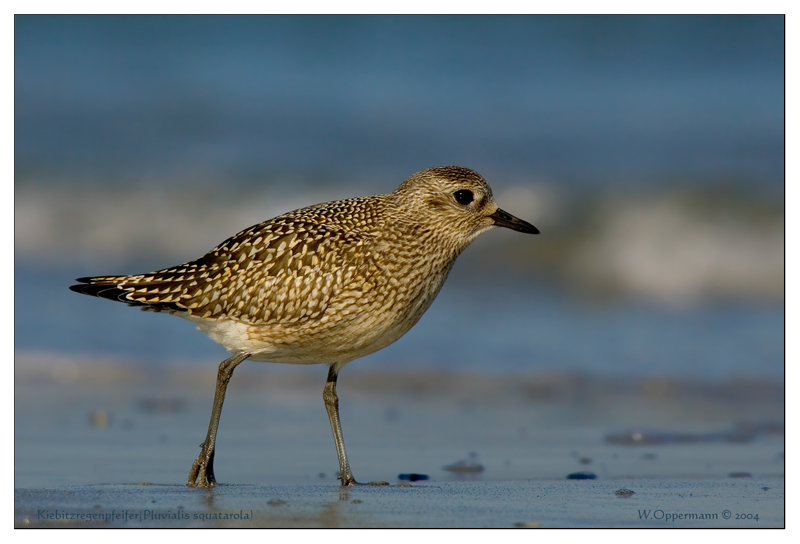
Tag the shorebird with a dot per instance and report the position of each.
(324, 284)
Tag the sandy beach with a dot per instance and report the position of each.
(108, 444)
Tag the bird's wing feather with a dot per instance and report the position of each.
(283, 271)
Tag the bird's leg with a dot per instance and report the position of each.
(332, 406)
(202, 472)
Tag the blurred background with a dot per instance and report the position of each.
(649, 151)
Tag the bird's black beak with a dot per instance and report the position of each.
(505, 219)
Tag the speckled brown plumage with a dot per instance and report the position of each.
(327, 283)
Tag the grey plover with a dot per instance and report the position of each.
(321, 285)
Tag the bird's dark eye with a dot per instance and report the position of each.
(463, 197)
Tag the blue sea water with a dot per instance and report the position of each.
(579, 100)
(585, 103)
(473, 326)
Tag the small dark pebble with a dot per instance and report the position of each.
(624, 493)
(321, 474)
(740, 475)
(582, 476)
(465, 466)
(356, 501)
(413, 477)
(585, 461)
(527, 524)
(765, 488)
(275, 502)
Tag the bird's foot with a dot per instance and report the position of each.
(202, 472)
(351, 482)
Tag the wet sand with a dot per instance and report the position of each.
(527, 504)
(107, 444)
